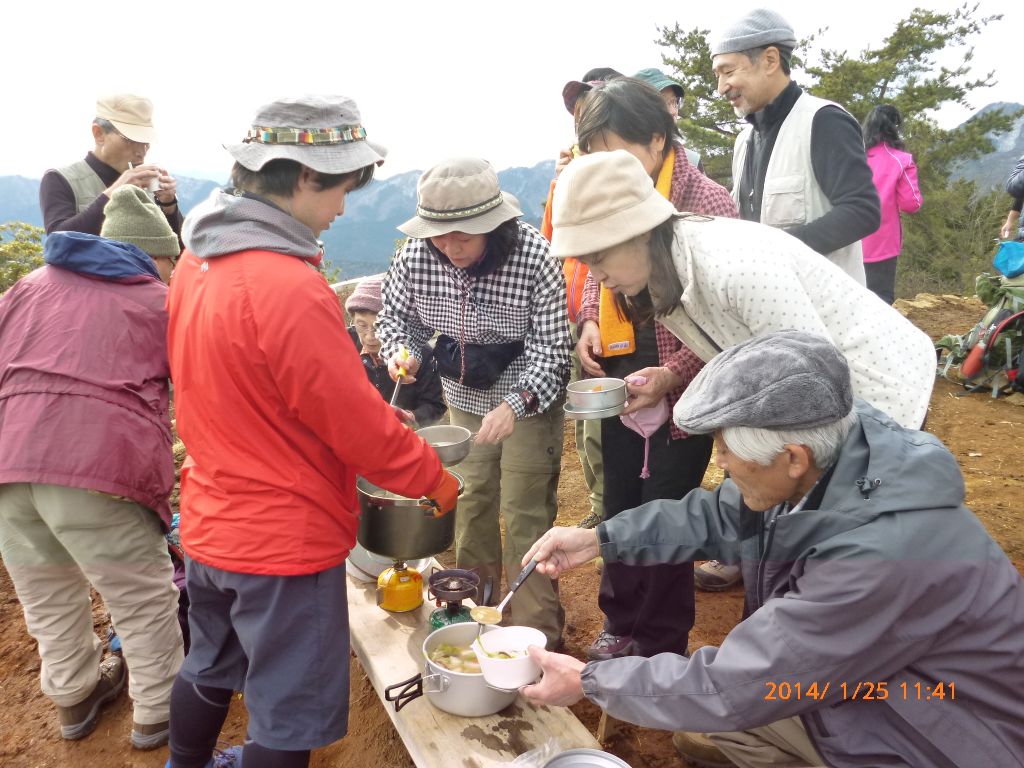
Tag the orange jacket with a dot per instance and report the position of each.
(575, 271)
(277, 416)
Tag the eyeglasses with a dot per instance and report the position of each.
(673, 101)
(131, 142)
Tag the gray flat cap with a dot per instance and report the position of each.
(757, 29)
(782, 380)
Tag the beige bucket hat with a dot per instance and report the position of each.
(601, 200)
(460, 195)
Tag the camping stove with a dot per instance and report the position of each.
(400, 588)
(450, 587)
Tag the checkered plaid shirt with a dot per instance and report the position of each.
(690, 191)
(522, 300)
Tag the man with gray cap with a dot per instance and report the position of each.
(799, 164)
(72, 197)
(871, 643)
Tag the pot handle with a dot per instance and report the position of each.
(435, 683)
(409, 689)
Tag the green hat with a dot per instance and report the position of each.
(658, 80)
(132, 217)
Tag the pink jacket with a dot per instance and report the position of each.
(84, 373)
(895, 177)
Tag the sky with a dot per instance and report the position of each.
(432, 79)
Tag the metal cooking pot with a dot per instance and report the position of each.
(398, 527)
(458, 693)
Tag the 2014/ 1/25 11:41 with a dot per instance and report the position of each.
(862, 691)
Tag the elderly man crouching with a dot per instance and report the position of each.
(889, 626)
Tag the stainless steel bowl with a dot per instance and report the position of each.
(398, 527)
(450, 443)
(586, 758)
(596, 394)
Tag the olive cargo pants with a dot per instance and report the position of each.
(55, 542)
(519, 479)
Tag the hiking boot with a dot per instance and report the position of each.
(150, 735)
(227, 758)
(698, 750)
(590, 521)
(78, 721)
(222, 758)
(609, 646)
(714, 576)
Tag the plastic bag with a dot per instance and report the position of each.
(1009, 259)
(539, 757)
(646, 421)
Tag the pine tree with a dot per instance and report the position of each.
(21, 251)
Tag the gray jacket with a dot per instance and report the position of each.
(890, 580)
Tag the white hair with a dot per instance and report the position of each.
(762, 445)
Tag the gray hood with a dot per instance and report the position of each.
(883, 469)
(228, 222)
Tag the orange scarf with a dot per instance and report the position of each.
(617, 336)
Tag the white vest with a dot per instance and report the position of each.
(791, 194)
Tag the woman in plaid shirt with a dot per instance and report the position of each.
(482, 279)
(647, 610)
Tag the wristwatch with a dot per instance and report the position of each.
(529, 401)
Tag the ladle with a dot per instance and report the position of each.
(404, 353)
(398, 386)
(485, 614)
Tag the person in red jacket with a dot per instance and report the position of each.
(278, 419)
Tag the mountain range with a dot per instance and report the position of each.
(359, 243)
(992, 169)
(363, 240)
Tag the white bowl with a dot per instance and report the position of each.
(508, 673)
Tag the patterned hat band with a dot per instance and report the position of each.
(459, 213)
(342, 134)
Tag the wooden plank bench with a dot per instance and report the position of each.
(389, 647)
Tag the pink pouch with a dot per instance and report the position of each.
(646, 421)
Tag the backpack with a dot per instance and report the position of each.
(989, 356)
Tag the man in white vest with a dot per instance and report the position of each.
(798, 165)
(72, 198)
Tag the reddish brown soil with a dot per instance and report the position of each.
(981, 432)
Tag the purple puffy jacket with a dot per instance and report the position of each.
(84, 373)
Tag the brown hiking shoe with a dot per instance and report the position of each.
(150, 735)
(698, 750)
(78, 721)
(609, 646)
(714, 576)
(590, 521)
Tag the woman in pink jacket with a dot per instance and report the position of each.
(895, 177)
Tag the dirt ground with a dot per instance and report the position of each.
(981, 432)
